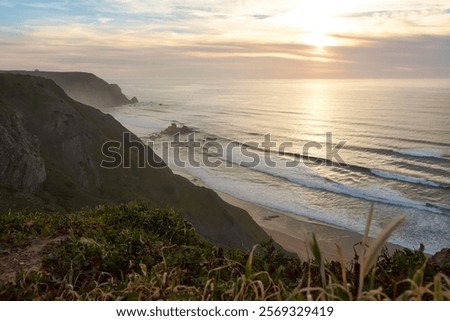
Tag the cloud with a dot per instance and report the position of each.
(417, 56)
(255, 21)
(248, 7)
(371, 38)
(47, 5)
(104, 19)
(261, 16)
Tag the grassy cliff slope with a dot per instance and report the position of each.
(132, 252)
(50, 159)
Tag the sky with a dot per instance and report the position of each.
(229, 38)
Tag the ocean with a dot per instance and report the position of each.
(381, 142)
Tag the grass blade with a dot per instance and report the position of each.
(370, 258)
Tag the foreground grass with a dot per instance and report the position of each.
(132, 252)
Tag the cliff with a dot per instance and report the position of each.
(84, 87)
(50, 155)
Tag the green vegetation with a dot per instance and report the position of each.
(133, 252)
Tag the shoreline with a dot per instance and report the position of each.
(295, 234)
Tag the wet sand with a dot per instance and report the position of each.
(295, 233)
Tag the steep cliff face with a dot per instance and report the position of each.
(51, 148)
(21, 165)
(85, 88)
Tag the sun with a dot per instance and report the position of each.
(316, 22)
(317, 40)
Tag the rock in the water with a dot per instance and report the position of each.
(174, 129)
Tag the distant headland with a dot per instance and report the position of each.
(84, 87)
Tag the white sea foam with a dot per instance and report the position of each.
(421, 152)
(287, 200)
(307, 177)
(406, 178)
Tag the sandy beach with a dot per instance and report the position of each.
(294, 234)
